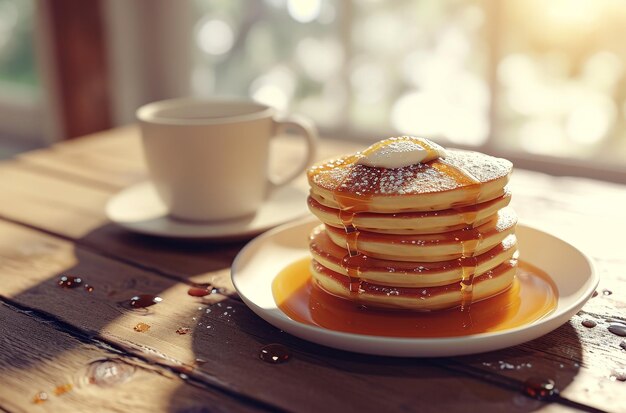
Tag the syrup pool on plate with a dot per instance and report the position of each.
(531, 297)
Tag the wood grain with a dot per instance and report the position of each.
(75, 375)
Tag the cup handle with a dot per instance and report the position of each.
(307, 130)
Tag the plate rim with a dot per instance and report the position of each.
(278, 316)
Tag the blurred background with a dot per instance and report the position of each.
(540, 82)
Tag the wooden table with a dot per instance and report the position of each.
(73, 350)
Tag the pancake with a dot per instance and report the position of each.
(425, 222)
(463, 178)
(405, 273)
(432, 247)
(487, 285)
(411, 225)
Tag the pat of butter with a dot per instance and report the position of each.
(400, 152)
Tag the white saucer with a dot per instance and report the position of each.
(256, 265)
(139, 209)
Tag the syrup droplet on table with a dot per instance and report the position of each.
(40, 397)
(109, 372)
(540, 388)
(275, 354)
(623, 344)
(607, 292)
(144, 300)
(618, 374)
(618, 329)
(69, 281)
(200, 290)
(589, 323)
(63, 388)
(89, 288)
(182, 330)
(141, 327)
(595, 294)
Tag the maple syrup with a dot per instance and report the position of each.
(200, 290)
(531, 297)
(540, 388)
(69, 281)
(589, 323)
(62, 389)
(469, 244)
(275, 353)
(89, 288)
(144, 300)
(618, 329)
(40, 397)
(109, 372)
(141, 327)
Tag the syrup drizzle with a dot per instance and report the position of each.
(474, 237)
(352, 260)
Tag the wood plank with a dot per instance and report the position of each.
(227, 339)
(111, 173)
(45, 369)
(76, 211)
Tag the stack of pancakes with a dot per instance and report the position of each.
(426, 236)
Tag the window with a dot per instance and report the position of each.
(19, 84)
(561, 78)
(513, 76)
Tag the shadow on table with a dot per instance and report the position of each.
(85, 314)
(227, 341)
(348, 381)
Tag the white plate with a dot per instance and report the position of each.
(258, 263)
(139, 209)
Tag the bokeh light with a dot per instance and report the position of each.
(419, 113)
(542, 136)
(275, 88)
(304, 11)
(320, 58)
(369, 80)
(590, 121)
(215, 36)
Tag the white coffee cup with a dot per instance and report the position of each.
(208, 159)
